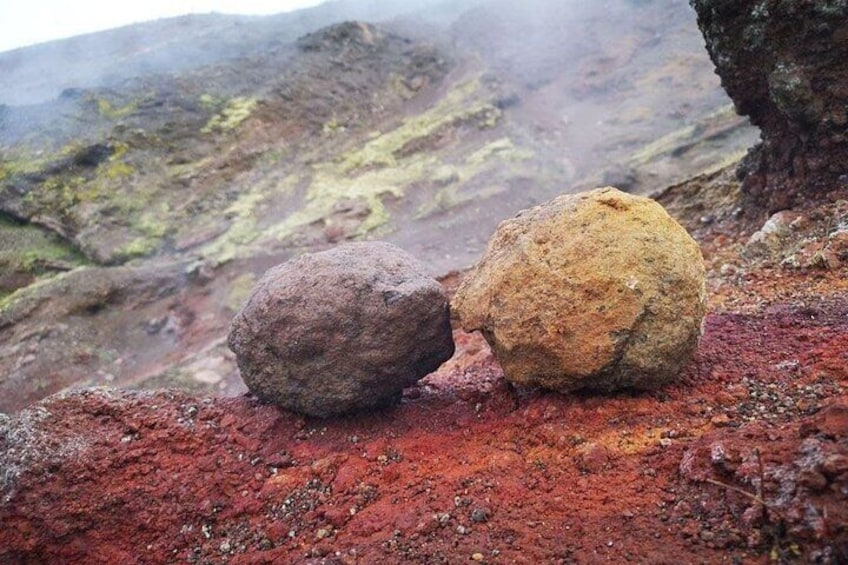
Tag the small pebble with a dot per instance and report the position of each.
(480, 515)
(720, 420)
(478, 557)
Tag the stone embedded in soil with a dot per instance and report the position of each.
(342, 330)
(774, 237)
(600, 290)
(794, 239)
(831, 421)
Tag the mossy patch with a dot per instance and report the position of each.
(244, 214)
(117, 170)
(151, 226)
(332, 127)
(211, 103)
(712, 143)
(76, 174)
(20, 165)
(55, 196)
(138, 247)
(104, 199)
(26, 248)
(502, 149)
(116, 167)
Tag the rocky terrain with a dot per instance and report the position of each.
(137, 216)
(138, 212)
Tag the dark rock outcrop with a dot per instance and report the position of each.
(342, 330)
(783, 64)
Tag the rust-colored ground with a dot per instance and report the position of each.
(744, 461)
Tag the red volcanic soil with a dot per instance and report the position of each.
(744, 461)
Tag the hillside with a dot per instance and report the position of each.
(144, 189)
(136, 217)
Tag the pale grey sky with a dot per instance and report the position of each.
(26, 22)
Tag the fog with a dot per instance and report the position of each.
(38, 21)
(40, 72)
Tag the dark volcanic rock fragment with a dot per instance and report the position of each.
(783, 64)
(342, 330)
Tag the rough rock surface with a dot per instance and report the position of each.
(600, 290)
(783, 64)
(342, 330)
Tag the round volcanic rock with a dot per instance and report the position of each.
(600, 290)
(343, 330)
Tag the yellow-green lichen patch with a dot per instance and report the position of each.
(117, 170)
(330, 185)
(502, 149)
(686, 136)
(150, 227)
(17, 164)
(116, 167)
(64, 189)
(444, 199)
(244, 216)
(450, 179)
(55, 196)
(419, 152)
(151, 223)
(106, 109)
(138, 247)
(332, 127)
(236, 111)
(663, 145)
(379, 168)
(463, 104)
(398, 85)
(210, 102)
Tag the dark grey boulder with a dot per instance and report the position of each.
(341, 331)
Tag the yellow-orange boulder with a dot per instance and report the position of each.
(600, 290)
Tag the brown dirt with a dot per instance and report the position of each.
(744, 461)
